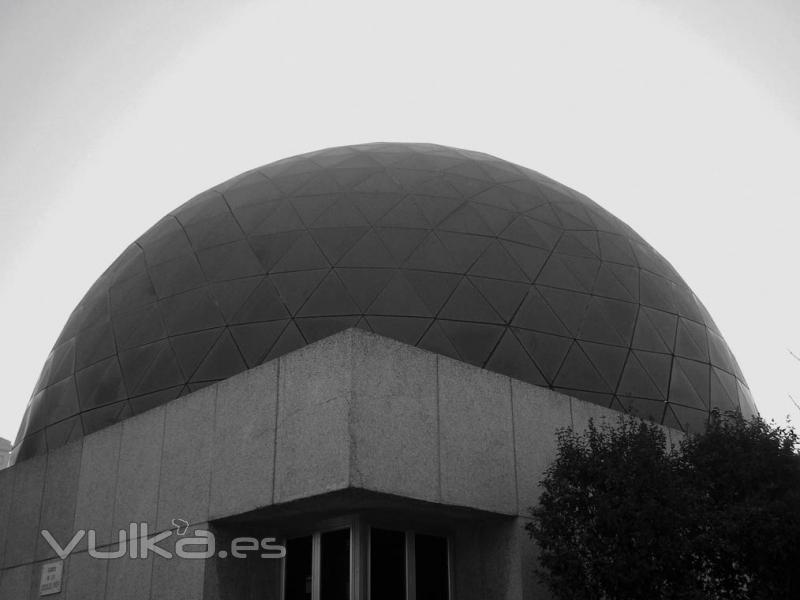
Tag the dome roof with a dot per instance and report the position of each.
(453, 251)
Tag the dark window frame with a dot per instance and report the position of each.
(360, 545)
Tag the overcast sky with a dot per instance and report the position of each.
(680, 117)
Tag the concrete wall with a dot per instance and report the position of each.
(354, 410)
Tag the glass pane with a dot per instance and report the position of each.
(335, 565)
(430, 553)
(387, 558)
(298, 569)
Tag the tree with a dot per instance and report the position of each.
(612, 517)
(623, 515)
(746, 474)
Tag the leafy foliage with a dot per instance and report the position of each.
(625, 515)
(747, 476)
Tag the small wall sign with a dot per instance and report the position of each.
(50, 582)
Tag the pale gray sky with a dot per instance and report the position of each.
(680, 117)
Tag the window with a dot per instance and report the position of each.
(430, 554)
(349, 559)
(404, 565)
(387, 560)
(298, 565)
(334, 579)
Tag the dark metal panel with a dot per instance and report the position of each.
(454, 251)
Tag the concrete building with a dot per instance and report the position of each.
(360, 355)
(5, 453)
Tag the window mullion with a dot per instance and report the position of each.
(411, 567)
(356, 560)
(368, 561)
(450, 573)
(316, 558)
(282, 590)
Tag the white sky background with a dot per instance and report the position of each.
(681, 117)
